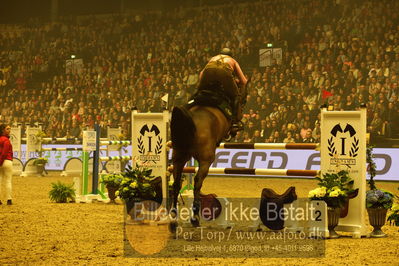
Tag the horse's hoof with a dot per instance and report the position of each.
(173, 226)
(195, 222)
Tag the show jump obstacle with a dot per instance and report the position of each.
(342, 147)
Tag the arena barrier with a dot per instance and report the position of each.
(35, 149)
(342, 147)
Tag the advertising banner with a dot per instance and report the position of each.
(387, 160)
(89, 140)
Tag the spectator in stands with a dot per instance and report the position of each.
(257, 137)
(250, 129)
(297, 138)
(308, 137)
(75, 130)
(192, 81)
(375, 127)
(245, 137)
(265, 129)
(289, 138)
(270, 139)
(263, 112)
(349, 103)
(316, 132)
(390, 120)
(299, 120)
(305, 128)
(238, 138)
(277, 137)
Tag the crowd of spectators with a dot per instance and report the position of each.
(348, 48)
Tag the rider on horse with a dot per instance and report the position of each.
(197, 128)
(224, 76)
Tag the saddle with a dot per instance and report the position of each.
(213, 98)
(271, 205)
(211, 207)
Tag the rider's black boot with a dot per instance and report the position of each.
(235, 127)
(236, 124)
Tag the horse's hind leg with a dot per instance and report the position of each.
(179, 160)
(198, 181)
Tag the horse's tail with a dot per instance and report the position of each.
(182, 128)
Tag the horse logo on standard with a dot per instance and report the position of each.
(343, 145)
(149, 144)
(33, 139)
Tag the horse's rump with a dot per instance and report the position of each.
(182, 128)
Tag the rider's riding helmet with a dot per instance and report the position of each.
(226, 51)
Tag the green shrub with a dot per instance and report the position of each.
(40, 161)
(61, 192)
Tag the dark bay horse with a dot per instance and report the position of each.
(195, 132)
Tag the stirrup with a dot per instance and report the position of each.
(238, 126)
(228, 137)
(232, 133)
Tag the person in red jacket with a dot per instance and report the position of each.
(6, 155)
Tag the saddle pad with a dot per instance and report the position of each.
(213, 99)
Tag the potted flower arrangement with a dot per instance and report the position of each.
(40, 164)
(139, 184)
(334, 189)
(112, 183)
(378, 201)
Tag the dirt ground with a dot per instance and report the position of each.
(35, 231)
